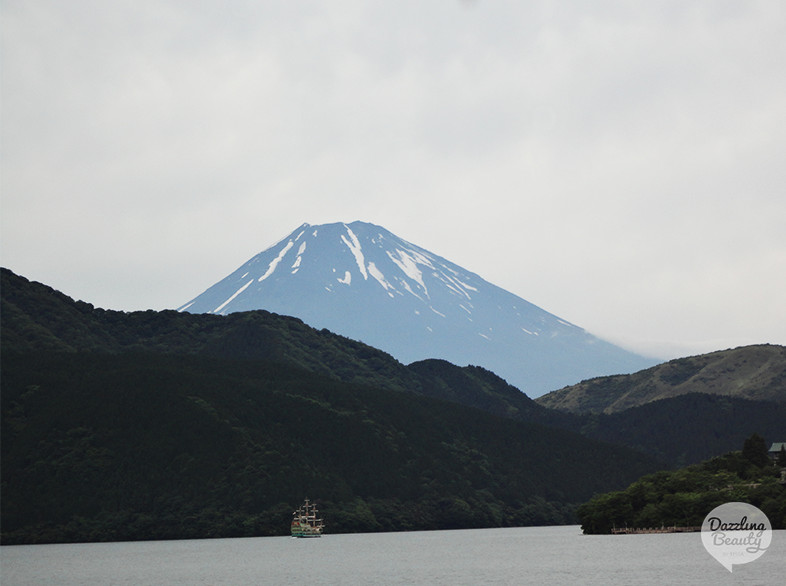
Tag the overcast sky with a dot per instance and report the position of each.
(620, 164)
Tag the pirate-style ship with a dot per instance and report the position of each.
(305, 522)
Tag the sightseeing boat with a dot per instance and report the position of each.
(305, 522)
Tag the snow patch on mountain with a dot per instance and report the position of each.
(354, 246)
(232, 297)
(380, 278)
(273, 264)
(408, 264)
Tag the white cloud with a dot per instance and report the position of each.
(626, 158)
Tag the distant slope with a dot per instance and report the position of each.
(749, 372)
(362, 281)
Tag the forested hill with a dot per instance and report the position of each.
(146, 446)
(689, 428)
(683, 498)
(679, 430)
(162, 425)
(35, 317)
(750, 372)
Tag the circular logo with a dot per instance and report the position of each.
(736, 533)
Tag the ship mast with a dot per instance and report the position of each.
(305, 522)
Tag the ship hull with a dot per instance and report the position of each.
(304, 530)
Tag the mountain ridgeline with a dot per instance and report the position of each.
(362, 281)
(153, 425)
(678, 430)
(168, 424)
(751, 372)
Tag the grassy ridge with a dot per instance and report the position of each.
(756, 372)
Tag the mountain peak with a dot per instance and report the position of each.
(364, 282)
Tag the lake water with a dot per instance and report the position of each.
(529, 555)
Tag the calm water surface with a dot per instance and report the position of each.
(531, 555)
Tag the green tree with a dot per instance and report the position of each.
(755, 450)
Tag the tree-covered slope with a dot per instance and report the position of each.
(679, 430)
(684, 497)
(147, 446)
(750, 372)
(36, 317)
(689, 428)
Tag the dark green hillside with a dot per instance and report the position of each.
(475, 386)
(689, 428)
(679, 430)
(35, 317)
(683, 498)
(148, 446)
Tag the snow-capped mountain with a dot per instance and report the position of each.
(363, 282)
